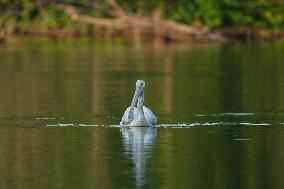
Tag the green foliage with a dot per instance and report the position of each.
(253, 13)
(201, 13)
(57, 17)
(215, 13)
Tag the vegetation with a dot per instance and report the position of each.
(229, 16)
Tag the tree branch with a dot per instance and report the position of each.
(119, 12)
(168, 29)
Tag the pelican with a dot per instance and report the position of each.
(140, 116)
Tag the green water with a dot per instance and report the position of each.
(220, 110)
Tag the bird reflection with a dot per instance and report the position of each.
(138, 142)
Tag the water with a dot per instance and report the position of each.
(220, 111)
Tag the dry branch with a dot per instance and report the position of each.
(116, 8)
(147, 25)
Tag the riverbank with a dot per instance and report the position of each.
(224, 35)
(160, 22)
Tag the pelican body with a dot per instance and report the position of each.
(140, 115)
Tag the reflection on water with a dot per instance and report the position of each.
(86, 85)
(226, 100)
(93, 157)
(138, 143)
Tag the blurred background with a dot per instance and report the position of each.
(162, 20)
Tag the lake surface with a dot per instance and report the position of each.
(220, 110)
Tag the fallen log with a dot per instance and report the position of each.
(146, 25)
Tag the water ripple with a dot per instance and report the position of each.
(173, 125)
(238, 114)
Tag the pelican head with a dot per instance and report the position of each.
(140, 85)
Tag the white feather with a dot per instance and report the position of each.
(150, 117)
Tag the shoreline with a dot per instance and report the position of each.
(229, 34)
